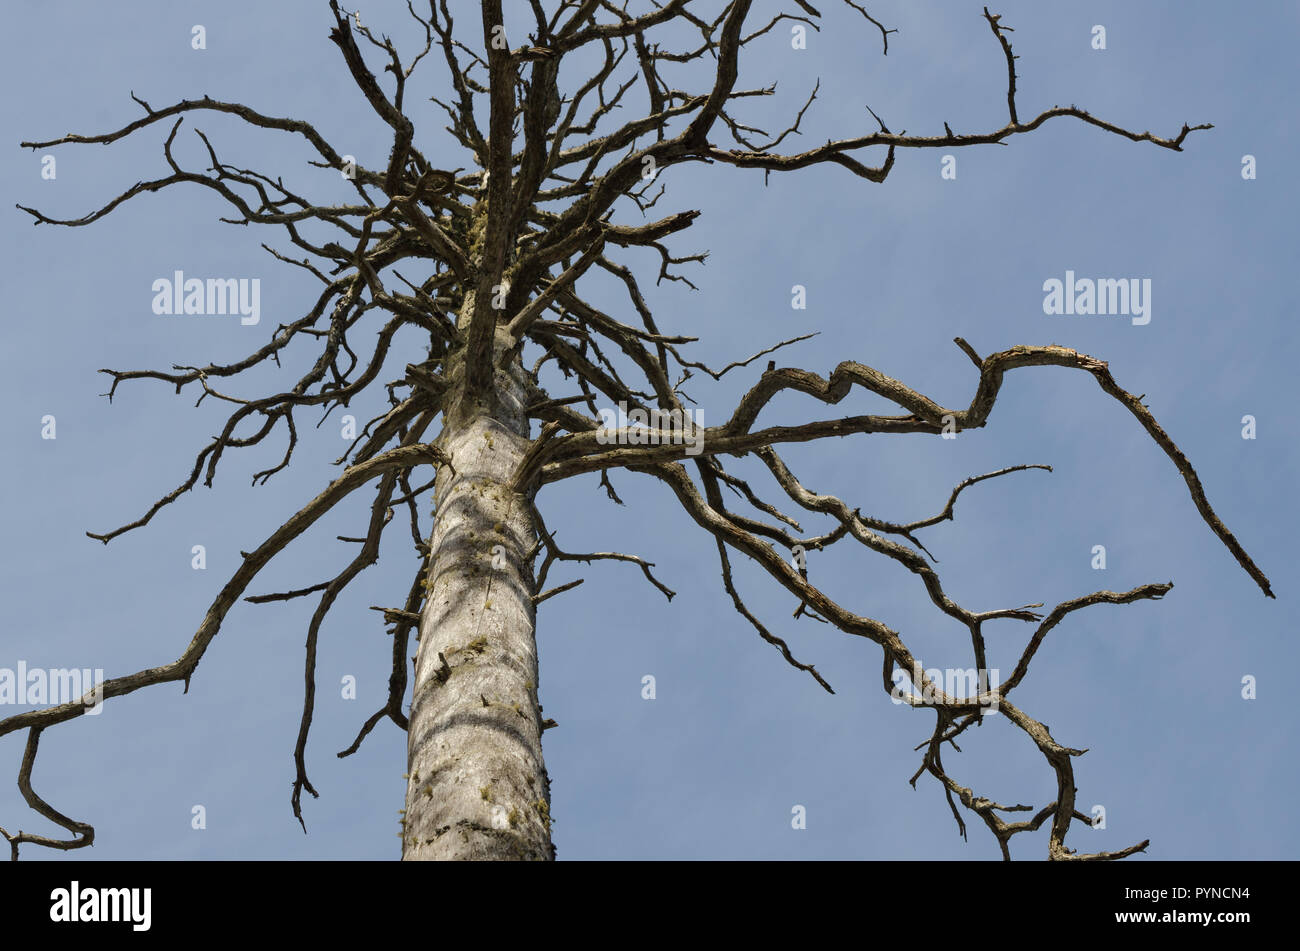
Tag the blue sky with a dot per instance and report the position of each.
(712, 767)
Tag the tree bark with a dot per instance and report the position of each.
(477, 786)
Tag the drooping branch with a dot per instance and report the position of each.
(183, 668)
(585, 452)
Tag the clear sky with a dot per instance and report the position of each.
(735, 738)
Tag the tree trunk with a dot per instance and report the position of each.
(477, 787)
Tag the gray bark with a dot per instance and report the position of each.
(477, 786)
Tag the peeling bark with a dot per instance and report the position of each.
(477, 786)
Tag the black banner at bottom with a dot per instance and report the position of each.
(962, 901)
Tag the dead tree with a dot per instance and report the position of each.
(497, 257)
